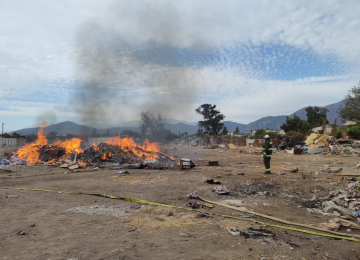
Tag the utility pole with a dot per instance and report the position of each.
(2, 135)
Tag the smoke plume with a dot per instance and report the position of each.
(129, 60)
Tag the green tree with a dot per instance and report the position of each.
(15, 135)
(260, 133)
(6, 135)
(199, 132)
(351, 110)
(151, 125)
(316, 116)
(296, 124)
(237, 131)
(225, 131)
(212, 118)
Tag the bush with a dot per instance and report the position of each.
(260, 133)
(354, 132)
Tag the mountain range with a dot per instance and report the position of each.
(271, 122)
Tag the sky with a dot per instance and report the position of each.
(101, 63)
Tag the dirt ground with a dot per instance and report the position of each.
(53, 232)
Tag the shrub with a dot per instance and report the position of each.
(354, 132)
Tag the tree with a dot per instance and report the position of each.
(260, 133)
(237, 131)
(15, 135)
(212, 118)
(199, 132)
(52, 134)
(95, 133)
(316, 116)
(151, 125)
(6, 135)
(351, 109)
(225, 131)
(296, 124)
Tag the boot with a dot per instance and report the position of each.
(267, 172)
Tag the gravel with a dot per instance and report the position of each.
(100, 210)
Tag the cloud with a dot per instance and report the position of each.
(172, 56)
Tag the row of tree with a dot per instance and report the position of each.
(212, 118)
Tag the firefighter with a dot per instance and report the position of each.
(267, 153)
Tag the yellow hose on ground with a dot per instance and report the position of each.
(337, 234)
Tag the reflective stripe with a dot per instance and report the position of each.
(270, 142)
(268, 155)
(270, 148)
(268, 170)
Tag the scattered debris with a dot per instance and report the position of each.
(186, 164)
(221, 190)
(336, 223)
(247, 216)
(212, 182)
(184, 234)
(22, 233)
(213, 163)
(11, 196)
(133, 229)
(204, 215)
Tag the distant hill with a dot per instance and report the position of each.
(271, 122)
(68, 127)
(274, 122)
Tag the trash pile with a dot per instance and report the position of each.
(343, 203)
(123, 157)
(323, 143)
(119, 152)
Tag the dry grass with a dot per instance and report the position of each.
(134, 180)
(153, 217)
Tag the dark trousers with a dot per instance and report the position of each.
(267, 163)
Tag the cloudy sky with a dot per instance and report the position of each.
(103, 62)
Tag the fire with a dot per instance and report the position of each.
(82, 164)
(52, 161)
(105, 156)
(30, 152)
(127, 144)
(95, 147)
(70, 145)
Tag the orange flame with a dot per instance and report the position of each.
(105, 156)
(95, 147)
(70, 145)
(127, 144)
(30, 152)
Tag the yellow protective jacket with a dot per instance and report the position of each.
(267, 148)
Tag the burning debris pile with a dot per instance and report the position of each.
(119, 152)
(124, 153)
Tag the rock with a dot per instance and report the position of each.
(236, 203)
(266, 204)
(11, 196)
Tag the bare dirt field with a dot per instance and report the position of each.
(70, 226)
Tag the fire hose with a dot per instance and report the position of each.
(334, 234)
